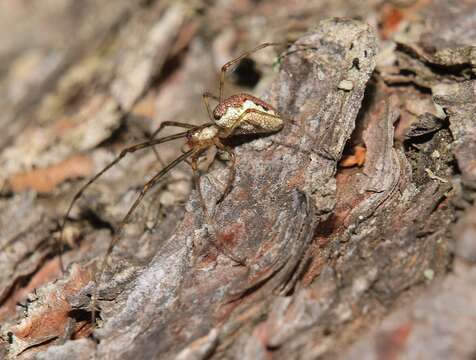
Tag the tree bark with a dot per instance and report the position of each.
(364, 255)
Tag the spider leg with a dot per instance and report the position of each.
(172, 123)
(231, 177)
(210, 222)
(230, 63)
(184, 150)
(83, 188)
(115, 238)
(227, 133)
(238, 121)
(298, 47)
(161, 127)
(196, 181)
(205, 96)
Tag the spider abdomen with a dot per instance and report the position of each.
(247, 114)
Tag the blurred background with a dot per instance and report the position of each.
(81, 80)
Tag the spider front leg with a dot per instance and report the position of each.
(226, 67)
(261, 121)
(205, 96)
(230, 63)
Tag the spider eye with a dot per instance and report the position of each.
(217, 113)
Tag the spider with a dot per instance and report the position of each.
(235, 115)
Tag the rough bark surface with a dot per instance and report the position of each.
(367, 255)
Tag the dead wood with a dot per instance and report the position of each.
(347, 256)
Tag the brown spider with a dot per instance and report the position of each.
(237, 114)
